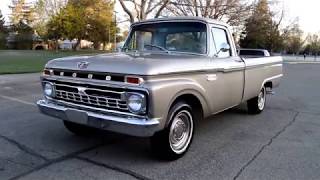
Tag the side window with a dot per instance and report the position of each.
(219, 38)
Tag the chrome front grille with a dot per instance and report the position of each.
(91, 96)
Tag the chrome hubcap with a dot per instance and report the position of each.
(261, 99)
(181, 131)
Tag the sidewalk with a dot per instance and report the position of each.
(301, 58)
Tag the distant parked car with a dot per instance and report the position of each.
(253, 53)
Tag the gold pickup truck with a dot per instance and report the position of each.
(170, 74)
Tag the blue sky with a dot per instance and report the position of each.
(308, 12)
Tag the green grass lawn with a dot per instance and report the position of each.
(27, 61)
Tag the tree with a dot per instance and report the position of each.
(48, 8)
(24, 36)
(2, 23)
(69, 23)
(261, 30)
(313, 45)
(84, 19)
(3, 32)
(292, 36)
(21, 11)
(43, 11)
(102, 26)
(21, 19)
(231, 11)
(141, 9)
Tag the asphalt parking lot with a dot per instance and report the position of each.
(281, 143)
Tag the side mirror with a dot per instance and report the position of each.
(224, 47)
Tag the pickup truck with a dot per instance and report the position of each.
(170, 74)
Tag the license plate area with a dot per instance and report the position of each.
(77, 116)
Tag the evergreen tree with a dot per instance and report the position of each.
(2, 23)
(43, 11)
(3, 32)
(261, 31)
(21, 19)
(84, 19)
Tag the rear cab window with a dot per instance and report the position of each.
(251, 53)
(187, 42)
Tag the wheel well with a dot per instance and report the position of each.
(268, 85)
(193, 101)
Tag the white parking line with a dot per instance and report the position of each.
(17, 100)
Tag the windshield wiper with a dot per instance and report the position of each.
(159, 47)
(126, 49)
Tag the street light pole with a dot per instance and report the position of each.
(115, 33)
(109, 35)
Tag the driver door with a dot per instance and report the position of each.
(227, 87)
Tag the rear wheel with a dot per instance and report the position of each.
(174, 141)
(257, 104)
(79, 129)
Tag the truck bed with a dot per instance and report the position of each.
(259, 71)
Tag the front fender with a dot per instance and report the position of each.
(164, 92)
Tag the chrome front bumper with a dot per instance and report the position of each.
(141, 127)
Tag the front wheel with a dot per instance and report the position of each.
(174, 141)
(257, 104)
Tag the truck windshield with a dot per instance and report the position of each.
(186, 37)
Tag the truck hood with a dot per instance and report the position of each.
(134, 64)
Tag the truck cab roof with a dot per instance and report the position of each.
(183, 18)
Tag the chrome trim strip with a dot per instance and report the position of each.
(204, 71)
(95, 109)
(263, 65)
(128, 120)
(277, 65)
(231, 69)
(95, 89)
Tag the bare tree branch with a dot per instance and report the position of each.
(143, 8)
(232, 11)
(127, 11)
(165, 3)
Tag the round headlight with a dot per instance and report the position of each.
(48, 89)
(136, 103)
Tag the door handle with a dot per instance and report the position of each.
(211, 77)
(230, 69)
(238, 60)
